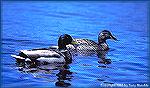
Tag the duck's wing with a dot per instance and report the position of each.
(18, 57)
(51, 59)
(53, 47)
(38, 53)
(85, 42)
(86, 47)
(39, 49)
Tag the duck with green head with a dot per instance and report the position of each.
(49, 55)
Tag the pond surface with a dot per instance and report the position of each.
(27, 25)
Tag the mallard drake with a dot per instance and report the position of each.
(49, 55)
(90, 45)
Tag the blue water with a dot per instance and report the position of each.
(27, 25)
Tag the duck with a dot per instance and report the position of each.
(48, 55)
(87, 47)
(90, 45)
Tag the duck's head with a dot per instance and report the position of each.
(65, 40)
(104, 35)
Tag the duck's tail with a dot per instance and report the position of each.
(18, 57)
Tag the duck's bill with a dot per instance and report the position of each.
(74, 42)
(113, 38)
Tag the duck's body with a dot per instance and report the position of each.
(49, 55)
(90, 45)
(86, 44)
(42, 56)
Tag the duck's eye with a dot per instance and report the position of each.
(104, 34)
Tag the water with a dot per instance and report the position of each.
(27, 25)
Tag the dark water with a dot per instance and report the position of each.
(27, 25)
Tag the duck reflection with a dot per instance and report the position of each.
(63, 76)
(102, 55)
(103, 59)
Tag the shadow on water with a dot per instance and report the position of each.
(63, 75)
(102, 55)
